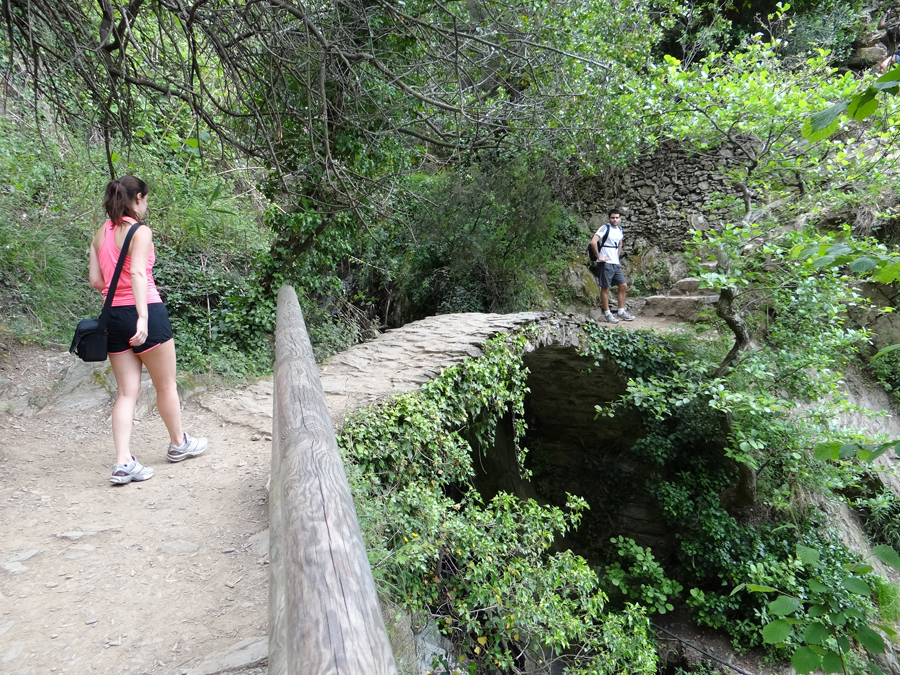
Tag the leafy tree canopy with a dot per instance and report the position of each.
(343, 97)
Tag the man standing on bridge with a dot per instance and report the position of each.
(606, 245)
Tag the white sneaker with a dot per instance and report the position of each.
(625, 316)
(610, 317)
(133, 471)
(190, 448)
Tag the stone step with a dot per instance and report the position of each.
(689, 286)
(686, 307)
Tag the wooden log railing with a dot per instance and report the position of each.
(324, 613)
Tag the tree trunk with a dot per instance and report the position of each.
(742, 495)
(725, 310)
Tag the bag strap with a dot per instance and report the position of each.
(605, 236)
(603, 241)
(110, 294)
(600, 245)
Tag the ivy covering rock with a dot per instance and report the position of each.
(504, 579)
(490, 574)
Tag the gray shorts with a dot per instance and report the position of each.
(611, 275)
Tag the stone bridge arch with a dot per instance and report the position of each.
(403, 359)
(570, 450)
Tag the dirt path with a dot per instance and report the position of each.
(149, 577)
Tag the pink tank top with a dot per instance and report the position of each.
(108, 256)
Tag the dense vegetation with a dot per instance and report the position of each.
(396, 160)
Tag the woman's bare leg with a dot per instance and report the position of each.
(160, 362)
(127, 369)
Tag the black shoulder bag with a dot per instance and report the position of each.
(90, 341)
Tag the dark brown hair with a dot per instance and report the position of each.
(120, 195)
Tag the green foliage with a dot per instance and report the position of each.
(830, 25)
(750, 102)
(648, 275)
(800, 300)
(221, 321)
(887, 597)
(641, 580)
(776, 403)
(208, 243)
(41, 249)
(486, 573)
(639, 353)
(702, 668)
(823, 619)
(694, 29)
(858, 107)
(824, 603)
(863, 257)
(882, 517)
(477, 240)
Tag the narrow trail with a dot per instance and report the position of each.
(142, 578)
(165, 576)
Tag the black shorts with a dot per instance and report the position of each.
(123, 323)
(611, 275)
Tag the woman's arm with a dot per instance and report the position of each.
(139, 250)
(95, 274)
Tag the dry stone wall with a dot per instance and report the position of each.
(667, 193)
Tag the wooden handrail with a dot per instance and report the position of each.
(324, 613)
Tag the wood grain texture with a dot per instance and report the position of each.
(277, 629)
(325, 616)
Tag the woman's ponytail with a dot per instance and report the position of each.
(120, 195)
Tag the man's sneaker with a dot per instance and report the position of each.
(625, 316)
(610, 317)
(133, 471)
(190, 448)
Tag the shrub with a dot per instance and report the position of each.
(882, 517)
(635, 576)
(477, 240)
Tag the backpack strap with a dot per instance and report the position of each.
(601, 245)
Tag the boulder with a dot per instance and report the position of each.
(245, 654)
(14, 400)
(688, 286)
(869, 38)
(398, 624)
(885, 326)
(83, 386)
(697, 222)
(686, 307)
(582, 283)
(868, 56)
(92, 385)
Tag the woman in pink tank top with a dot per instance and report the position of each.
(138, 328)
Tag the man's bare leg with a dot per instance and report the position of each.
(604, 299)
(623, 289)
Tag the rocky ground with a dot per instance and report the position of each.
(159, 576)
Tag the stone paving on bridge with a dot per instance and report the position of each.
(403, 359)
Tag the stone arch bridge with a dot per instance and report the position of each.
(565, 386)
(403, 359)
